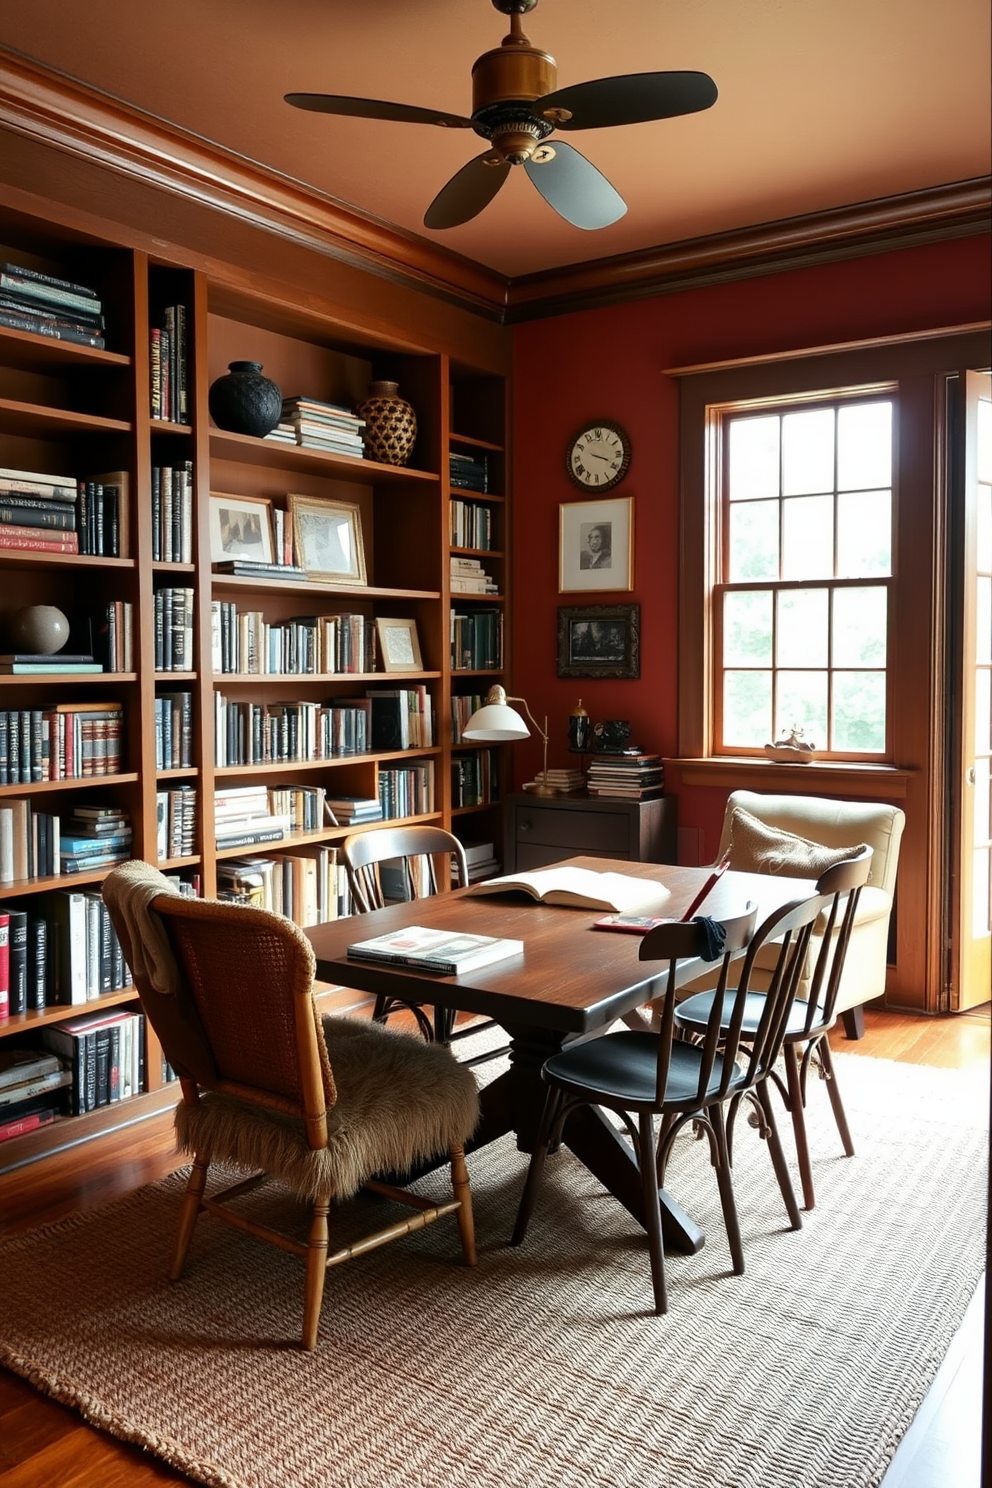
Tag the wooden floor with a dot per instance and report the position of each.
(44, 1443)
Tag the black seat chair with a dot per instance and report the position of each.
(423, 859)
(649, 1074)
(807, 1033)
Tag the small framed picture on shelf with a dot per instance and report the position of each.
(399, 645)
(596, 545)
(240, 527)
(327, 538)
(599, 640)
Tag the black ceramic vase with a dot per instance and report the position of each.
(245, 402)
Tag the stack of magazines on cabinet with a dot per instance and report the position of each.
(630, 775)
(307, 888)
(326, 426)
(49, 306)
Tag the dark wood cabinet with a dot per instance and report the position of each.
(545, 829)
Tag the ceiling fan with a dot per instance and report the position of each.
(516, 105)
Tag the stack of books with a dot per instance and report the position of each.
(564, 782)
(31, 1082)
(29, 664)
(48, 306)
(469, 577)
(316, 425)
(469, 472)
(631, 775)
(38, 511)
(242, 816)
(94, 837)
(346, 810)
(481, 859)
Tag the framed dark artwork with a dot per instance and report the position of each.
(599, 640)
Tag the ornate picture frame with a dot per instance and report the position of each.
(596, 545)
(599, 641)
(240, 527)
(327, 539)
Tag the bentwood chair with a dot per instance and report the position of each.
(807, 1033)
(417, 860)
(318, 1104)
(641, 1075)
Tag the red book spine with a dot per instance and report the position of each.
(41, 541)
(21, 1124)
(4, 965)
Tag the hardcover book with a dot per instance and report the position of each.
(435, 950)
(578, 888)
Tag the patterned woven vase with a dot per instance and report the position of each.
(390, 424)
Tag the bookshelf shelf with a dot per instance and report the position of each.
(34, 420)
(274, 453)
(221, 583)
(25, 351)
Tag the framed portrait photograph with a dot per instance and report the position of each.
(399, 645)
(599, 640)
(240, 527)
(596, 545)
(327, 538)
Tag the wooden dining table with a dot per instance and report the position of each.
(570, 981)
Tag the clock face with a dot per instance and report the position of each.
(598, 456)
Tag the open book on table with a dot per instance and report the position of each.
(581, 888)
(435, 950)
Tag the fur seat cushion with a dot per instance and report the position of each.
(400, 1102)
(758, 848)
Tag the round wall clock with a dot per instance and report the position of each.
(598, 456)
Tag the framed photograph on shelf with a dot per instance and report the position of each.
(241, 527)
(599, 640)
(327, 539)
(399, 645)
(596, 545)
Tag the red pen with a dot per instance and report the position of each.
(710, 883)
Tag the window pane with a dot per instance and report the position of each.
(801, 703)
(753, 458)
(984, 440)
(983, 621)
(981, 824)
(983, 710)
(980, 893)
(808, 538)
(859, 712)
(747, 708)
(808, 452)
(753, 540)
(747, 629)
(864, 446)
(859, 628)
(983, 513)
(864, 534)
(801, 630)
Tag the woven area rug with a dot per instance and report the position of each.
(542, 1368)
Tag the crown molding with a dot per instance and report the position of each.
(55, 110)
(58, 111)
(959, 209)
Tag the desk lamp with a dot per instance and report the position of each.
(497, 723)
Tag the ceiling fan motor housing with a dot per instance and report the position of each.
(505, 82)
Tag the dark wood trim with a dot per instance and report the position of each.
(959, 209)
(843, 780)
(870, 343)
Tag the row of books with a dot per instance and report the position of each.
(60, 514)
(463, 705)
(175, 822)
(61, 950)
(469, 577)
(316, 425)
(475, 778)
(37, 844)
(631, 775)
(168, 358)
(476, 640)
(407, 790)
(470, 524)
(68, 741)
(304, 806)
(243, 641)
(172, 513)
(104, 1054)
(248, 733)
(308, 889)
(469, 472)
(173, 730)
(46, 305)
(173, 620)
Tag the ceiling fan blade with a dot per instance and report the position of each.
(633, 99)
(468, 191)
(574, 187)
(375, 108)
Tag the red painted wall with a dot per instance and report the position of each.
(609, 363)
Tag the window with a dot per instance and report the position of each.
(801, 594)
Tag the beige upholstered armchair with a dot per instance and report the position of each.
(757, 841)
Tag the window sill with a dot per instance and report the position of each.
(832, 777)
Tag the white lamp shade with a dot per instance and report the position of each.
(495, 723)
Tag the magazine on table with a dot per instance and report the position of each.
(443, 951)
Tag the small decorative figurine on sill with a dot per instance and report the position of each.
(791, 750)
